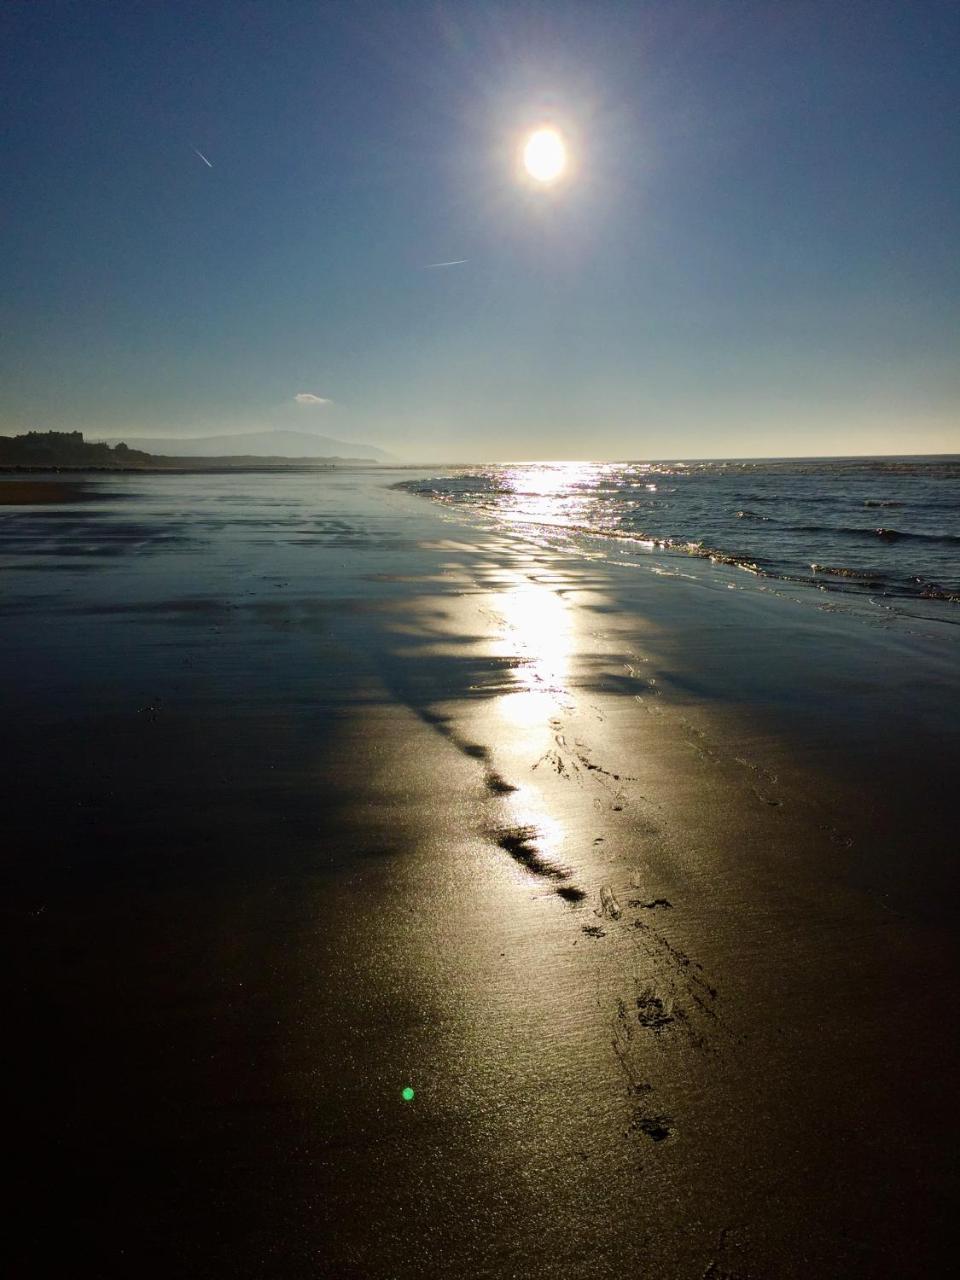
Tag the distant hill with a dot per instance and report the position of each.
(65, 449)
(267, 444)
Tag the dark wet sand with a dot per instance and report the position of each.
(646, 886)
(18, 493)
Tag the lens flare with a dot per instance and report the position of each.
(545, 155)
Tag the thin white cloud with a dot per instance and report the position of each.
(307, 397)
(456, 262)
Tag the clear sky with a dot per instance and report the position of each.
(755, 251)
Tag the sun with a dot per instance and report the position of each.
(545, 155)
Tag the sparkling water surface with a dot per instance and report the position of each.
(887, 528)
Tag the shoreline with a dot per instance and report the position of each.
(182, 466)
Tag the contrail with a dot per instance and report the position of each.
(203, 158)
(455, 263)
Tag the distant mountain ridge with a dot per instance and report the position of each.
(270, 444)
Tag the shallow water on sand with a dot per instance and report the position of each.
(646, 885)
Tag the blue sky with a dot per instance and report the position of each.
(755, 252)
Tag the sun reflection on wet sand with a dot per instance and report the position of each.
(537, 625)
(525, 661)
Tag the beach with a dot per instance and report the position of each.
(641, 876)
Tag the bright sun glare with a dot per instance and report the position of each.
(545, 155)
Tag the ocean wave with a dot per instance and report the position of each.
(883, 533)
(795, 523)
(839, 571)
(933, 591)
(749, 561)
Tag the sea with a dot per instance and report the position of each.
(884, 529)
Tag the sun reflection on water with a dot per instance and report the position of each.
(557, 493)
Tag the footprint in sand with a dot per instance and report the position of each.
(609, 906)
(653, 1124)
(657, 1127)
(655, 1011)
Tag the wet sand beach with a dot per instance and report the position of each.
(24, 492)
(643, 881)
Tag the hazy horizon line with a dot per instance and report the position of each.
(527, 461)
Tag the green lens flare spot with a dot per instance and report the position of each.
(407, 1094)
